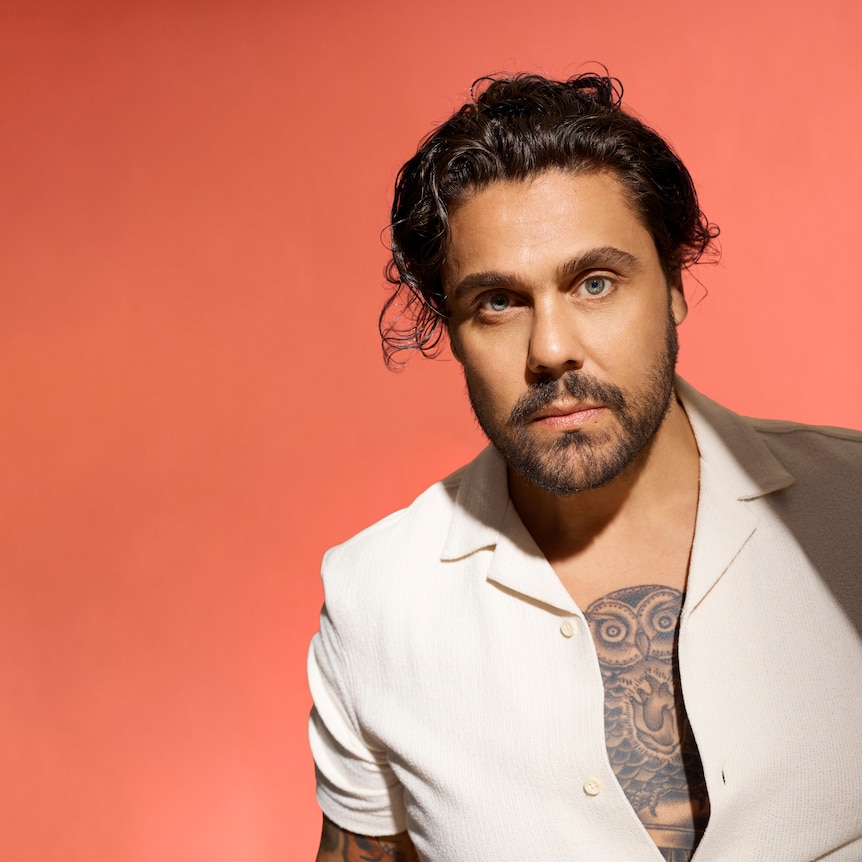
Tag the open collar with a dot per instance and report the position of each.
(732, 446)
(736, 466)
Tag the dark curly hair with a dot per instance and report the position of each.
(514, 128)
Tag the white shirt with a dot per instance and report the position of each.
(458, 693)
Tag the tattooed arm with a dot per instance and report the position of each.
(339, 845)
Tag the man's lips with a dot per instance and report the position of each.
(566, 416)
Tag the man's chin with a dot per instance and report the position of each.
(563, 479)
(574, 462)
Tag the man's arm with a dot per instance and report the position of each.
(339, 845)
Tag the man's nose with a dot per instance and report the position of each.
(556, 345)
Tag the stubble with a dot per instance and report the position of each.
(583, 458)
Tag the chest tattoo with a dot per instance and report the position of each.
(648, 736)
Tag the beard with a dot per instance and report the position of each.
(581, 459)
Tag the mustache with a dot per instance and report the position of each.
(577, 384)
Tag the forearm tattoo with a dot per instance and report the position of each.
(340, 844)
(647, 732)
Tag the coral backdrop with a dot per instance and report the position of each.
(192, 196)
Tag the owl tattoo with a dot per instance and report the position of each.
(648, 736)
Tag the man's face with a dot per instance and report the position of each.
(565, 325)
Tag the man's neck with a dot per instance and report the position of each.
(662, 481)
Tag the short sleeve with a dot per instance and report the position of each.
(356, 788)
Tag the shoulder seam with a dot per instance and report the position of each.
(766, 426)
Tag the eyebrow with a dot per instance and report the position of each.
(594, 258)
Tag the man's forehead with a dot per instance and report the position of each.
(517, 217)
(505, 226)
(503, 200)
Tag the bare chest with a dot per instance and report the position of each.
(621, 559)
(647, 733)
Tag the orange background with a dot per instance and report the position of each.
(193, 402)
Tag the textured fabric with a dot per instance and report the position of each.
(458, 694)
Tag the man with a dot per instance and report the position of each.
(629, 630)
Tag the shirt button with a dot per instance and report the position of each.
(592, 787)
(567, 629)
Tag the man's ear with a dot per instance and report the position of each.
(678, 305)
(453, 345)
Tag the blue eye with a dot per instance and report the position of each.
(597, 285)
(498, 302)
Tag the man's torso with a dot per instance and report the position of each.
(462, 694)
